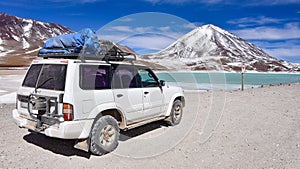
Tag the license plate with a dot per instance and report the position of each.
(24, 105)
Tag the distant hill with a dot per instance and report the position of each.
(20, 39)
(212, 48)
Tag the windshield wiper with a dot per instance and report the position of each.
(42, 84)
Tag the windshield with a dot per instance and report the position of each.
(46, 76)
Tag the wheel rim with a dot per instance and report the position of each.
(107, 135)
(177, 112)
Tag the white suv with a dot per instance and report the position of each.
(91, 101)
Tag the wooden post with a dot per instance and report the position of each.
(243, 81)
(243, 73)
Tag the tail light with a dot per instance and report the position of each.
(68, 112)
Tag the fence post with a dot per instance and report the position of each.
(243, 75)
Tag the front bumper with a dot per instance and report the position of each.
(65, 130)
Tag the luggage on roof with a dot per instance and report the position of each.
(84, 45)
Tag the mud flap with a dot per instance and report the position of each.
(82, 145)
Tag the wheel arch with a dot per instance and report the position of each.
(182, 99)
(115, 113)
(108, 109)
(174, 98)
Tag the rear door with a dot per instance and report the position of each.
(41, 81)
(127, 92)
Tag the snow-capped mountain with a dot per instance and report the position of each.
(20, 39)
(212, 48)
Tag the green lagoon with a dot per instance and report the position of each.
(226, 81)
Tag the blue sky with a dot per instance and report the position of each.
(273, 25)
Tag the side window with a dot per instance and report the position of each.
(124, 76)
(148, 79)
(94, 77)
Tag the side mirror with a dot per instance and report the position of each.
(162, 83)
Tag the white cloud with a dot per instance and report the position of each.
(120, 32)
(126, 19)
(284, 52)
(148, 41)
(287, 49)
(289, 31)
(130, 29)
(121, 28)
(75, 1)
(272, 2)
(255, 21)
(184, 1)
(165, 28)
(232, 2)
(143, 29)
(153, 1)
(190, 26)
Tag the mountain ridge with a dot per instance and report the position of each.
(206, 48)
(20, 38)
(212, 48)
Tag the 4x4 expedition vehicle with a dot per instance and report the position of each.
(93, 100)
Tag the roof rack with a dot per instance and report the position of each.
(109, 56)
(113, 54)
(85, 46)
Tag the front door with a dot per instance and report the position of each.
(152, 93)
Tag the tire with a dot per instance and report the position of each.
(104, 136)
(176, 113)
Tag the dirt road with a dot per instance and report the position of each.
(257, 128)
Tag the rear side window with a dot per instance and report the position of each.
(46, 76)
(94, 77)
(125, 76)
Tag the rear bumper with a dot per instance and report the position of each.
(65, 130)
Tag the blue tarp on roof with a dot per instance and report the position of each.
(85, 41)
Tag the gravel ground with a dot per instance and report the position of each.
(257, 128)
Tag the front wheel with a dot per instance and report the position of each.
(104, 135)
(176, 113)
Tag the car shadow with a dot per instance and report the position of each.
(58, 146)
(129, 134)
(66, 147)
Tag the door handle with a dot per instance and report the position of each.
(146, 92)
(119, 95)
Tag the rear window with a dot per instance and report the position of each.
(46, 76)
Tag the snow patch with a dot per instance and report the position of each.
(26, 45)
(15, 38)
(27, 28)
(5, 53)
(42, 36)
(3, 91)
(235, 64)
(31, 51)
(8, 98)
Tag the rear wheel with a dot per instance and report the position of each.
(104, 135)
(176, 113)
